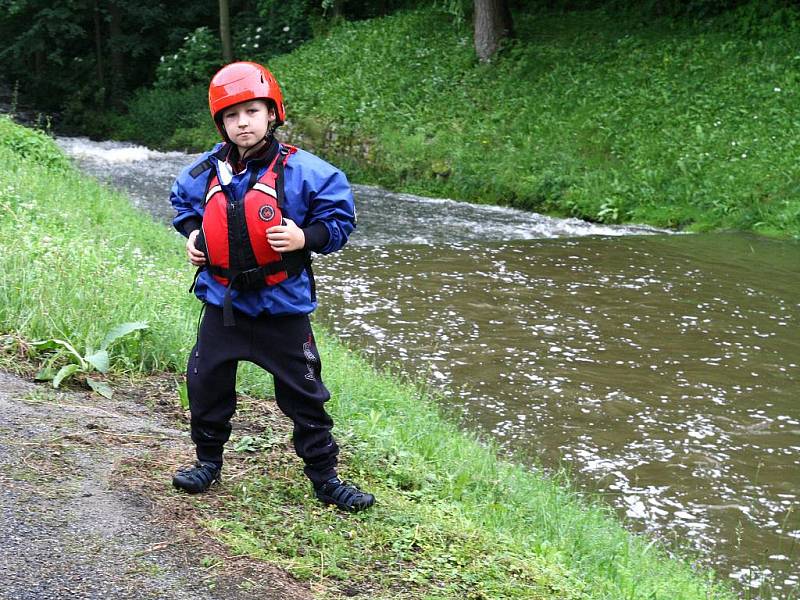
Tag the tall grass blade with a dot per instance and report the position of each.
(183, 395)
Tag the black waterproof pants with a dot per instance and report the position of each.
(285, 347)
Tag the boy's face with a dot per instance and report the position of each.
(246, 123)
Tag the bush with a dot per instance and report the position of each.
(193, 64)
(31, 145)
(154, 115)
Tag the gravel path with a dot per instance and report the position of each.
(68, 533)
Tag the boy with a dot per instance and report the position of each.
(253, 209)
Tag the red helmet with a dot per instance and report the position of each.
(240, 82)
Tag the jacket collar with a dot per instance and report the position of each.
(229, 153)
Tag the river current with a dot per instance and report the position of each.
(661, 370)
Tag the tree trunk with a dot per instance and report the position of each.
(225, 31)
(492, 23)
(98, 46)
(117, 55)
(336, 11)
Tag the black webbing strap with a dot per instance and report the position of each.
(312, 282)
(278, 170)
(227, 305)
(293, 263)
(223, 153)
(194, 279)
(200, 168)
(205, 165)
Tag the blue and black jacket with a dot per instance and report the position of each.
(317, 197)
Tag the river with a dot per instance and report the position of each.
(661, 370)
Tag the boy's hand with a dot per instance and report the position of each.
(197, 258)
(286, 238)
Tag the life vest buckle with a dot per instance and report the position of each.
(251, 279)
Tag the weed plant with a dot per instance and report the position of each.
(608, 117)
(453, 521)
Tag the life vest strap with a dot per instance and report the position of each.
(293, 264)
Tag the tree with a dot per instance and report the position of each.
(493, 22)
(225, 31)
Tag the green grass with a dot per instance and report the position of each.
(453, 521)
(608, 117)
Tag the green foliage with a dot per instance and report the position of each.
(596, 115)
(78, 57)
(31, 145)
(157, 115)
(194, 62)
(60, 351)
(82, 56)
(76, 262)
(459, 9)
(282, 26)
(765, 18)
(257, 443)
(193, 137)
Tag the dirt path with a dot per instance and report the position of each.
(75, 522)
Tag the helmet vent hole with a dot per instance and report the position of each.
(262, 78)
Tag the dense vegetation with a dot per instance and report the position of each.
(81, 56)
(453, 521)
(680, 114)
(608, 116)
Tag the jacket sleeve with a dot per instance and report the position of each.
(330, 203)
(181, 198)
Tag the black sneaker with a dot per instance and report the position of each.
(345, 496)
(198, 478)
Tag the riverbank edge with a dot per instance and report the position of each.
(452, 518)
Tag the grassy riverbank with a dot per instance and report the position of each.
(452, 521)
(604, 116)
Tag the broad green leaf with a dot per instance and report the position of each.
(120, 331)
(245, 444)
(99, 360)
(101, 387)
(46, 373)
(65, 372)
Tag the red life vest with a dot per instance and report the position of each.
(234, 234)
